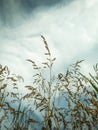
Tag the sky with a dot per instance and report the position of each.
(69, 26)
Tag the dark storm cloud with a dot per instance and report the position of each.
(32, 4)
(10, 10)
(13, 12)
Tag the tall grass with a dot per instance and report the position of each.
(52, 102)
(93, 80)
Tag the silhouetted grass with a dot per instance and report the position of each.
(63, 102)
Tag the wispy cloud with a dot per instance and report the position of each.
(71, 31)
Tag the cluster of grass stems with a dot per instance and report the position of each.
(68, 101)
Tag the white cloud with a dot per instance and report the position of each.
(71, 32)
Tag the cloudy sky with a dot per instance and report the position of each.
(70, 27)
